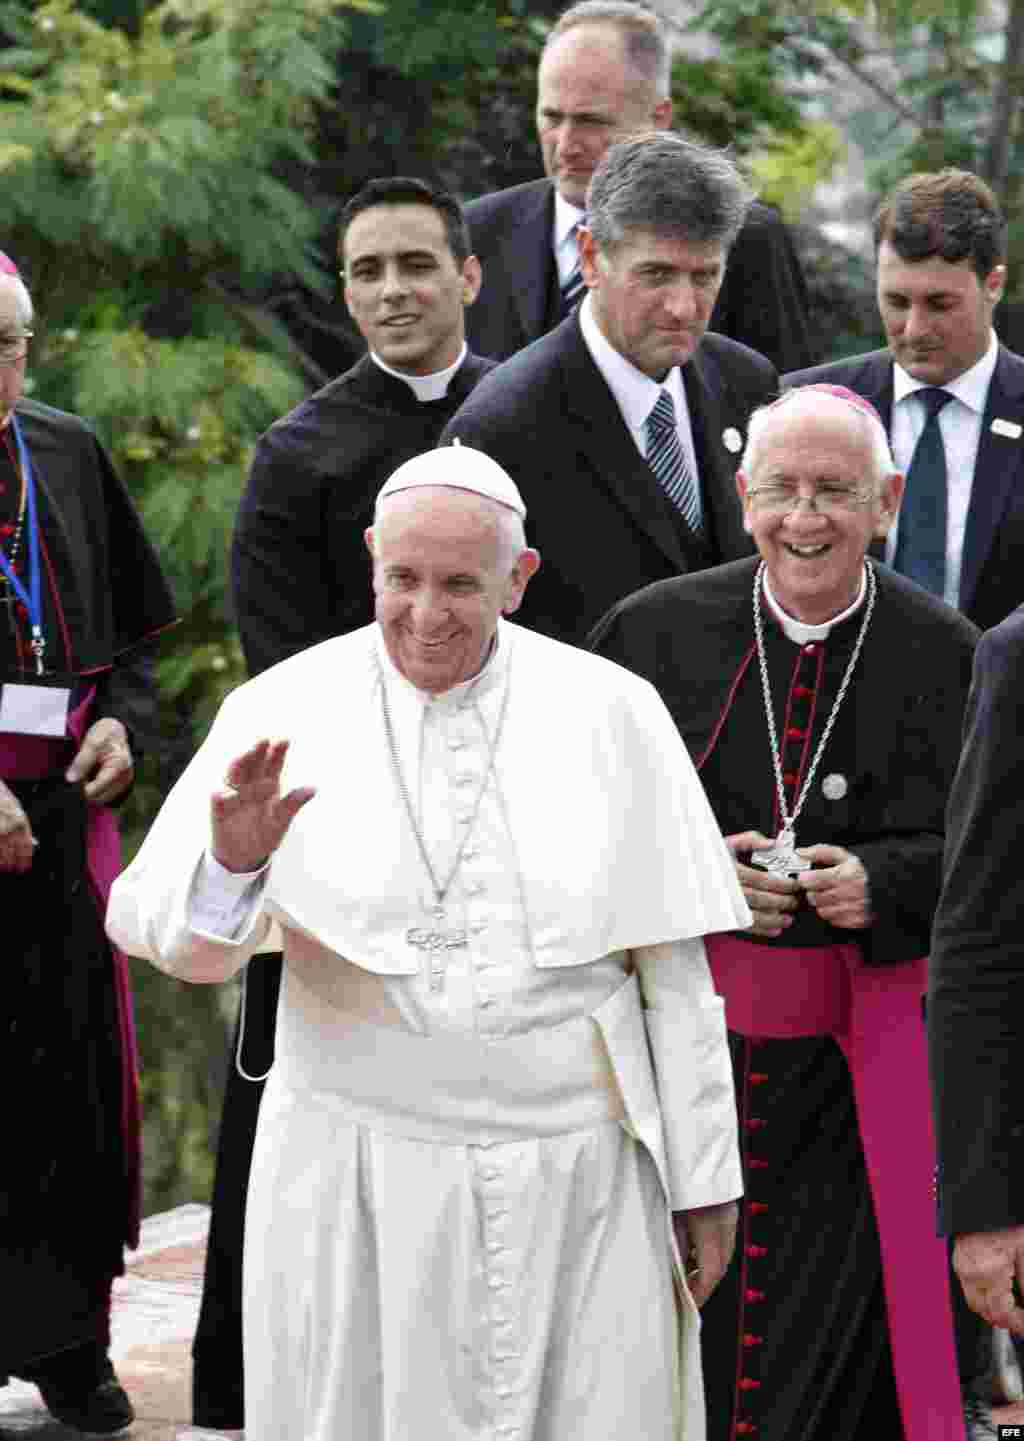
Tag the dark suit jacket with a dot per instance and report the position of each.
(976, 982)
(688, 637)
(762, 303)
(596, 513)
(300, 570)
(992, 566)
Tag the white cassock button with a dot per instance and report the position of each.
(835, 786)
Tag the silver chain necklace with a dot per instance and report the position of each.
(781, 859)
(439, 937)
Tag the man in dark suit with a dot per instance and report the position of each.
(623, 427)
(976, 991)
(301, 574)
(976, 999)
(941, 246)
(605, 73)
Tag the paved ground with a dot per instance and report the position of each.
(155, 1308)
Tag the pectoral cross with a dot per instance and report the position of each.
(781, 859)
(436, 941)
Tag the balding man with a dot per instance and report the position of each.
(605, 73)
(822, 699)
(459, 1213)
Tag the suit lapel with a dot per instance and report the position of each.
(874, 382)
(528, 262)
(995, 471)
(602, 435)
(713, 413)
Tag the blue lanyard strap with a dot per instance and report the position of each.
(31, 599)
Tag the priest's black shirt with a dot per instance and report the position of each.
(300, 568)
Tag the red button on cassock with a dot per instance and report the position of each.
(794, 733)
(753, 1296)
(754, 1123)
(745, 1428)
(756, 1163)
(747, 1384)
(756, 1251)
(757, 1078)
(757, 1208)
(749, 1339)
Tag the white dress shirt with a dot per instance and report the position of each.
(636, 394)
(960, 427)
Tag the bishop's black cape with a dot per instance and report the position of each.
(301, 574)
(795, 1340)
(68, 1180)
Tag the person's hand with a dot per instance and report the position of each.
(104, 762)
(987, 1263)
(839, 891)
(771, 899)
(17, 843)
(249, 815)
(705, 1237)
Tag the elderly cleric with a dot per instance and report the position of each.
(500, 1063)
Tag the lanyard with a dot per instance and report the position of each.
(31, 599)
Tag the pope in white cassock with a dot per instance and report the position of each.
(501, 1064)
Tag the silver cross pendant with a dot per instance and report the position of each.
(436, 940)
(781, 859)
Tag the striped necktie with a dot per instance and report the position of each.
(921, 544)
(572, 287)
(665, 457)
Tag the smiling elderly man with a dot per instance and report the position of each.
(458, 1218)
(822, 697)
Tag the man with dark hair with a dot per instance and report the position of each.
(301, 575)
(624, 425)
(605, 73)
(951, 397)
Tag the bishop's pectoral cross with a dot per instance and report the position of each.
(436, 940)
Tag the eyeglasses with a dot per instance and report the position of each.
(13, 347)
(783, 500)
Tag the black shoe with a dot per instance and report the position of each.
(103, 1411)
(978, 1422)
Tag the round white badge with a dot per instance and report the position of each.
(835, 786)
(732, 440)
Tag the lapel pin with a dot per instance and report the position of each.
(1009, 428)
(835, 786)
(733, 441)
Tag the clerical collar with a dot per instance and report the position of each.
(796, 630)
(636, 394)
(971, 388)
(487, 678)
(425, 387)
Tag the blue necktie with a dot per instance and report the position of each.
(921, 546)
(665, 457)
(572, 287)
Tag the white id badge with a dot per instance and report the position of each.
(34, 710)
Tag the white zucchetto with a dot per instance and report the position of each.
(460, 467)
